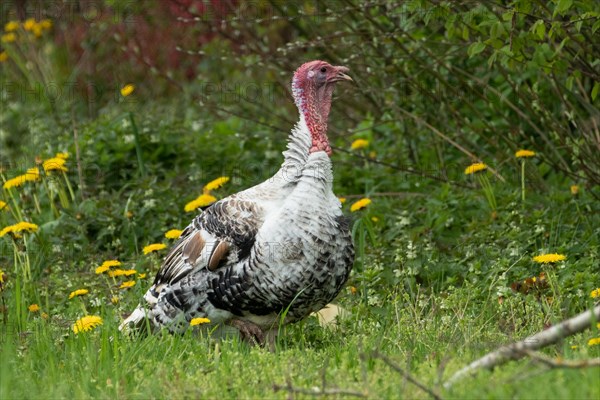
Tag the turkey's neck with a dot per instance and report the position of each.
(314, 106)
(317, 126)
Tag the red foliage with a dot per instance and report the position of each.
(109, 46)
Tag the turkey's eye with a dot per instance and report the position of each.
(323, 69)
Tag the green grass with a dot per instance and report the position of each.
(431, 288)
(45, 361)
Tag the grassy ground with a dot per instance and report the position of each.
(49, 362)
(442, 274)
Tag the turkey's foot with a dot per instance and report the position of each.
(249, 332)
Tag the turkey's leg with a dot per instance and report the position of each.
(270, 338)
(249, 332)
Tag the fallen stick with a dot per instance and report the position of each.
(406, 375)
(542, 339)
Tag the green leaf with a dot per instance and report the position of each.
(539, 28)
(495, 43)
(508, 16)
(492, 58)
(596, 26)
(524, 6)
(465, 33)
(595, 90)
(569, 82)
(562, 6)
(475, 49)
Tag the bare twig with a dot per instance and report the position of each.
(78, 156)
(560, 363)
(315, 391)
(447, 138)
(442, 177)
(406, 375)
(518, 350)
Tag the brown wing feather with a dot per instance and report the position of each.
(218, 254)
(193, 248)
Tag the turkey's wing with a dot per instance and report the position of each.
(223, 233)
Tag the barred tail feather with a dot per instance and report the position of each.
(135, 321)
(141, 316)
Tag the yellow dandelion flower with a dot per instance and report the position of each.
(360, 204)
(44, 315)
(11, 26)
(19, 227)
(153, 247)
(114, 299)
(55, 164)
(87, 323)
(199, 321)
(8, 37)
(78, 292)
(121, 272)
(524, 153)
(127, 90)
(574, 347)
(2, 278)
(5, 230)
(595, 293)
(549, 258)
(141, 276)
(173, 233)
(32, 174)
(342, 199)
(359, 144)
(111, 263)
(116, 272)
(201, 201)
(34, 308)
(3, 205)
(101, 269)
(3, 56)
(25, 227)
(594, 341)
(64, 156)
(29, 24)
(574, 190)
(106, 265)
(471, 169)
(14, 182)
(375, 219)
(46, 24)
(216, 183)
(127, 285)
(37, 30)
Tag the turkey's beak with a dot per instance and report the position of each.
(340, 75)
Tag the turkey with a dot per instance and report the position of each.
(280, 248)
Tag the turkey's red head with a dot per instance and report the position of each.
(312, 88)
